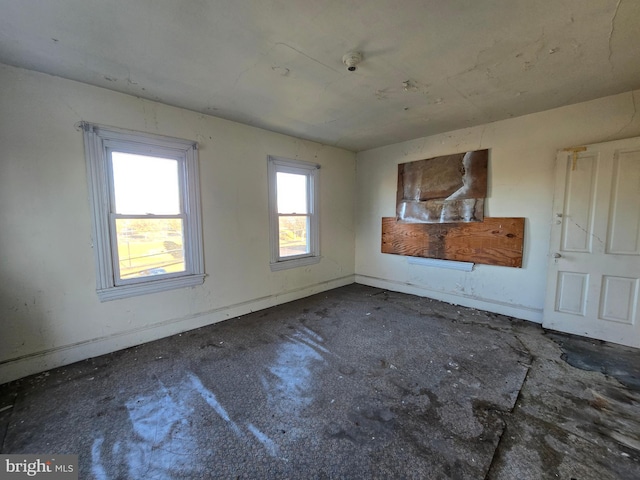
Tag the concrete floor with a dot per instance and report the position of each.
(353, 383)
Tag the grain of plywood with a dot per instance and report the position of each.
(495, 241)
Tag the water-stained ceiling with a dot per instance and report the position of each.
(428, 66)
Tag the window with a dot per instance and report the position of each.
(146, 211)
(293, 206)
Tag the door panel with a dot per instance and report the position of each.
(625, 205)
(579, 203)
(594, 263)
(572, 293)
(618, 299)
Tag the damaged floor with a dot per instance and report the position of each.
(353, 383)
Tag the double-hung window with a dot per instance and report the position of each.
(146, 211)
(293, 206)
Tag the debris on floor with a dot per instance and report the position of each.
(357, 382)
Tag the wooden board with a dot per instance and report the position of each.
(495, 241)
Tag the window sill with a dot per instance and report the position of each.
(294, 263)
(124, 291)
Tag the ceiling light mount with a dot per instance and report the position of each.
(351, 60)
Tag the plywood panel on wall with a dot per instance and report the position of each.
(495, 241)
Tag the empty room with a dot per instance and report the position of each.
(320, 240)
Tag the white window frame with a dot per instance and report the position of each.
(98, 142)
(311, 170)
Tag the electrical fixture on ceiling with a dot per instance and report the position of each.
(351, 60)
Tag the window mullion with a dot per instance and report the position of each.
(148, 215)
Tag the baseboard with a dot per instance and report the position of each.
(503, 308)
(15, 368)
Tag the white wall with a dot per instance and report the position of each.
(521, 179)
(49, 312)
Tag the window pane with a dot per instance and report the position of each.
(144, 185)
(149, 246)
(292, 193)
(293, 235)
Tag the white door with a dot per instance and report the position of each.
(594, 263)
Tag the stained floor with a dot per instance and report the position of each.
(353, 383)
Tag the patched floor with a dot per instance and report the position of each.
(353, 383)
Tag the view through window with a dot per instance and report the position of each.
(293, 213)
(147, 215)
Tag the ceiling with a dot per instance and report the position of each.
(428, 66)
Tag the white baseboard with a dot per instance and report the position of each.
(41, 361)
(503, 308)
